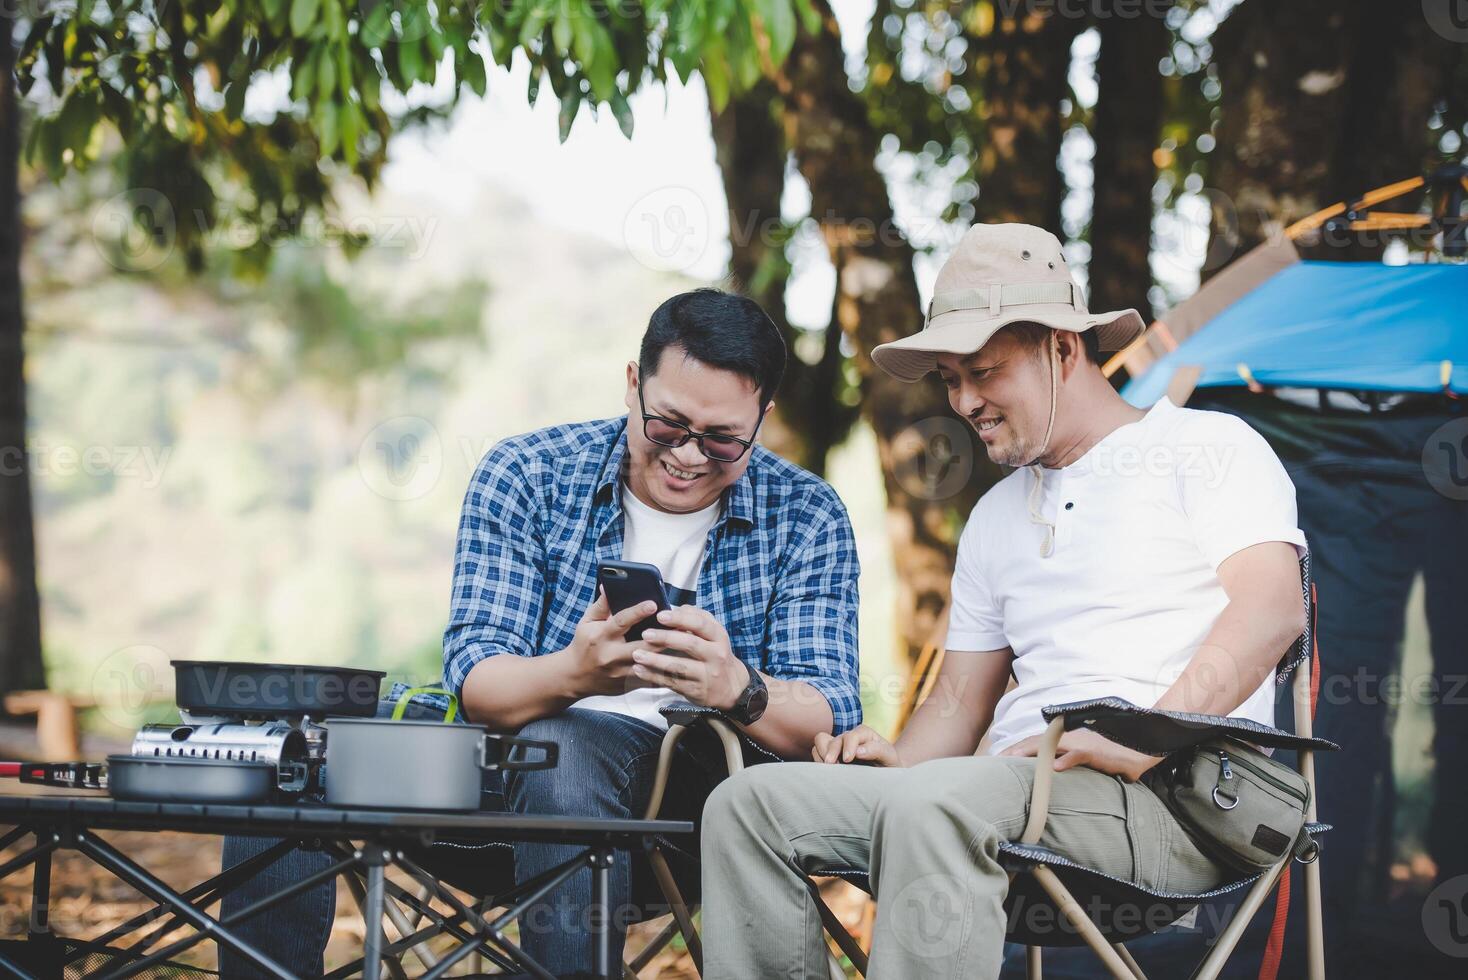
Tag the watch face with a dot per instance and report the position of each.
(757, 703)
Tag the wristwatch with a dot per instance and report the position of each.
(752, 700)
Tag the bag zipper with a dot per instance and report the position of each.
(1226, 772)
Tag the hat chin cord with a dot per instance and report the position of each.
(1047, 545)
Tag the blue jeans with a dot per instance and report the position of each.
(606, 769)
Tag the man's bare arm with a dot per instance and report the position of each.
(950, 722)
(960, 707)
(1264, 615)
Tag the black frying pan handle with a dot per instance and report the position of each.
(507, 742)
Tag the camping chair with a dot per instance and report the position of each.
(1063, 890)
(739, 750)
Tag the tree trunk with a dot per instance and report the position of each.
(1127, 122)
(810, 418)
(1322, 100)
(20, 613)
(933, 467)
(1024, 63)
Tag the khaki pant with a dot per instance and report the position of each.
(928, 836)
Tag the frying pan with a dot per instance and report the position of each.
(158, 779)
(252, 690)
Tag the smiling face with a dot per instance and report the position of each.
(704, 398)
(1003, 390)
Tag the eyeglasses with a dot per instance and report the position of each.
(666, 432)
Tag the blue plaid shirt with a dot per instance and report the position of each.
(544, 508)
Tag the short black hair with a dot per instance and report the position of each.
(723, 330)
(1033, 336)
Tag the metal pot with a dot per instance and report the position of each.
(419, 765)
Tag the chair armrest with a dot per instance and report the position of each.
(687, 713)
(1157, 732)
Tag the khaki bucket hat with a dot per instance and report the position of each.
(998, 275)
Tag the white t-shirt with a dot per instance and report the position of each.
(1130, 588)
(675, 544)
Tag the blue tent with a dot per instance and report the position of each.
(1351, 325)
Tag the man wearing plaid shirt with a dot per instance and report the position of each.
(759, 563)
(760, 551)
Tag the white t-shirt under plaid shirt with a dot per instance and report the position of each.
(1130, 587)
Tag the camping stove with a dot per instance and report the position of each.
(296, 747)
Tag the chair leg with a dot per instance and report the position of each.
(1223, 946)
(838, 932)
(1129, 960)
(681, 914)
(653, 947)
(1072, 910)
(1033, 969)
(1314, 922)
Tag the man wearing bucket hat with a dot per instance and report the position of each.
(1147, 555)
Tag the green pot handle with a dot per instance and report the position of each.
(402, 705)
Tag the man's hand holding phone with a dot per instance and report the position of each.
(600, 655)
(689, 652)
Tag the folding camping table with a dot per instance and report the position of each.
(368, 841)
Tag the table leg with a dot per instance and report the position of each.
(372, 921)
(40, 923)
(113, 860)
(601, 914)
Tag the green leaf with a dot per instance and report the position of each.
(344, 71)
(351, 124)
(410, 62)
(303, 15)
(437, 43)
(779, 22)
(328, 131)
(810, 17)
(303, 75)
(715, 71)
(336, 23)
(533, 26)
(474, 72)
(563, 27)
(326, 76)
(570, 105)
(274, 10)
(369, 84)
(532, 89)
(623, 112)
(377, 25)
(234, 98)
(600, 64)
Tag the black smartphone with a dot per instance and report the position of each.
(627, 583)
